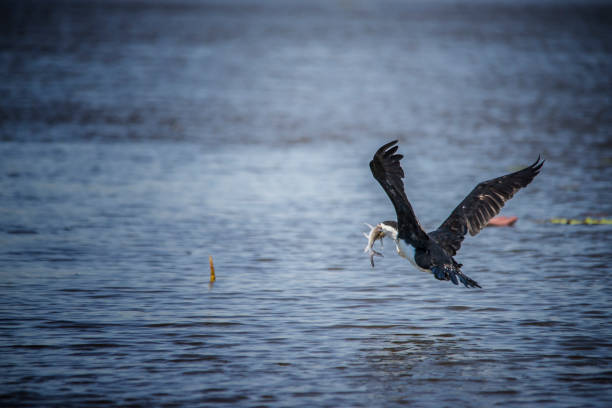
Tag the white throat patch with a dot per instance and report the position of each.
(407, 251)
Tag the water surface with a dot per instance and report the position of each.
(140, 138)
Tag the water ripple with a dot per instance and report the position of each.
(242, 130)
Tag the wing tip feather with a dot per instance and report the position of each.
(386, 146)
(537, 165)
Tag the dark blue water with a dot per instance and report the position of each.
(138, 138)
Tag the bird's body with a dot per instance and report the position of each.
(434, 251)
(410, 253)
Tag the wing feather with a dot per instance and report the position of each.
(484, 202)
(388, 172)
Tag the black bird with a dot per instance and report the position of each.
(433, 252)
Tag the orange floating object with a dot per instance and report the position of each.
(502, 221)
(212, 269)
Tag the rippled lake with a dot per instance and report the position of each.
(139, 138)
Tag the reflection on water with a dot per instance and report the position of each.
(133, 152)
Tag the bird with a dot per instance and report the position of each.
(434, 251)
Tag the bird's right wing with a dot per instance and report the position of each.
(387, 171)
(482, 204)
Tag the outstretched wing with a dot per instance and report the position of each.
(482, 204)
(386, 169)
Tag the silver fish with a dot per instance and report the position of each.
(376, 233)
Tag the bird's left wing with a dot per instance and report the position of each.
(482, 204)
(387, 171)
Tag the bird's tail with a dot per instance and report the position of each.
(447, 272)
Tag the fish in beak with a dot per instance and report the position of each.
(376, 233)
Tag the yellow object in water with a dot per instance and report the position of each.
(588, 221)
(212, 269)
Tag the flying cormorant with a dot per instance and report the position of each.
(433, 252)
